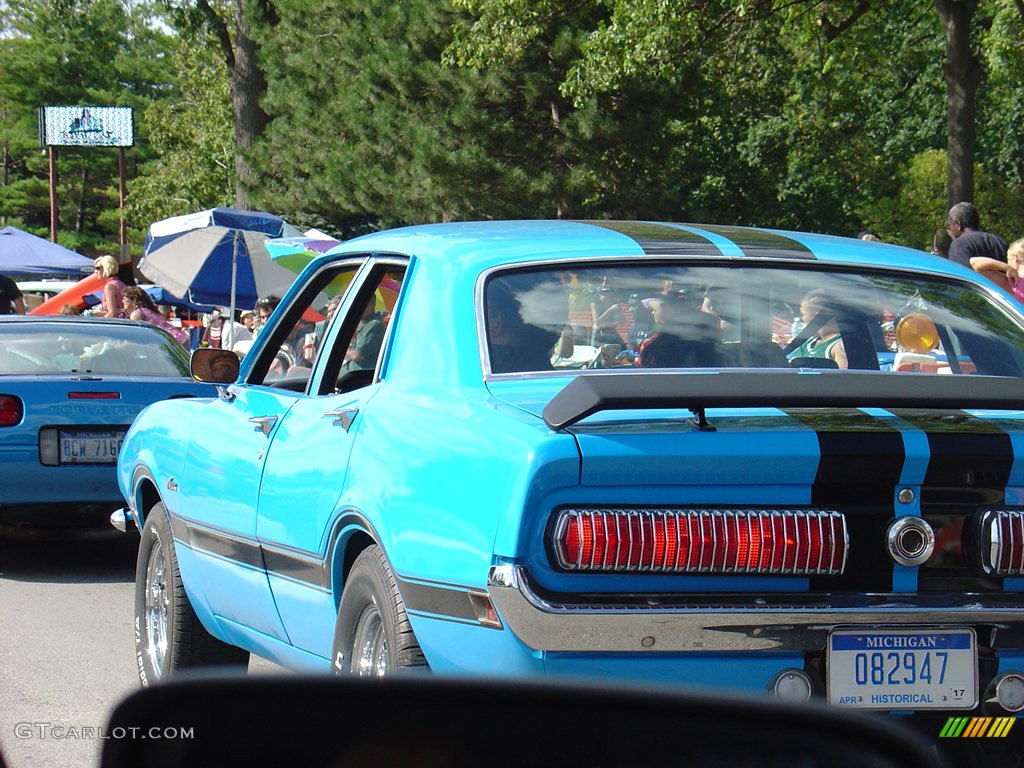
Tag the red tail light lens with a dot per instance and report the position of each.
(11, 410)
(1002, 543)
(94, 395)
(794, 542)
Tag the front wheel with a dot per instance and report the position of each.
(373, 636)
(168, 634)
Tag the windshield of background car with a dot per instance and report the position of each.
(754, 316)
(81, 346)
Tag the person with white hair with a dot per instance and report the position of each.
(112, 298)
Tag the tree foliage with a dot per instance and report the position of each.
(192, 136)
(73, 52)
(828, 116)
(805, 115)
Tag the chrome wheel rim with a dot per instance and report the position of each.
(370, 645)
(156, 608)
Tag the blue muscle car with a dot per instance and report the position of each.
(69, 388)
(698, 455)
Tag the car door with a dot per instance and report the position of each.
(215, 510)
(213, 504)
(306, 468)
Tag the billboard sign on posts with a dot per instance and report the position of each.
(86, 127)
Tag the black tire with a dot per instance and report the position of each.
(168, 635)
(373, 636)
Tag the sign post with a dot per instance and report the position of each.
(83, 126)
(53, 194)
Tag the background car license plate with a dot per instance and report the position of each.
(90, 447)
(903, 669)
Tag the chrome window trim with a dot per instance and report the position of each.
(1004, 302)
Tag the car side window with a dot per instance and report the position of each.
(299, 332)
(360, 343)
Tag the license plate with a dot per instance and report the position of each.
(903, 669)
(89, 447)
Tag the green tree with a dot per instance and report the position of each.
(381, 133)
(385, 133)
(826, 103)
(192, 136)
(71, 52)
(236, 27)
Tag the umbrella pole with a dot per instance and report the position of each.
(234, 278)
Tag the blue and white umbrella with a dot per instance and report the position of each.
(217, 257)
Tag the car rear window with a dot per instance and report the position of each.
(749, 316)
(83, 346)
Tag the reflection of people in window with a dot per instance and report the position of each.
(362, 352)
(684, 337)
(826, 342)
(516, 345)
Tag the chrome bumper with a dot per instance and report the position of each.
(757, 625)
(119, 519)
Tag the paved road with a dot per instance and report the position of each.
(66, 647)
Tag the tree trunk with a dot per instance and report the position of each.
(248, 84)
(962, 72)
(565, 201)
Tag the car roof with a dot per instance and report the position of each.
(484, 244)
(106, 322)
(55, 285)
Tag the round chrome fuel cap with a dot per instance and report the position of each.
(911, 541)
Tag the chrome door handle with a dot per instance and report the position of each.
(263, 423)
(343, 417)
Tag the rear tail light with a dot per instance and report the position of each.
(701, 541)
(11, 410)
(94, 395)
(1001, 542)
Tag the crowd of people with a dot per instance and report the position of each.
(984, 252)
(623, 329)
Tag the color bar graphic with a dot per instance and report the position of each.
(977, 727)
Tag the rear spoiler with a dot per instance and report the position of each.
(696, 391)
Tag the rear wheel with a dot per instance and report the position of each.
(373, 636)
(168, 634)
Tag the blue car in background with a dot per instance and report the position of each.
(766, 461)
(69, 388)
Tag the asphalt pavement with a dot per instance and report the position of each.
(66, 642)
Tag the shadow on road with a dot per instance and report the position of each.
(67, 555)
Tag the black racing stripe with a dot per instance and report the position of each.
(297, 567)
(449, 601)
(861, 457)
(222, 544)
(861, 460)
(659, 239)
(439, 601)
(758, 243)
(970, 458)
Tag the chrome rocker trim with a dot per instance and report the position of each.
(722, 628)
